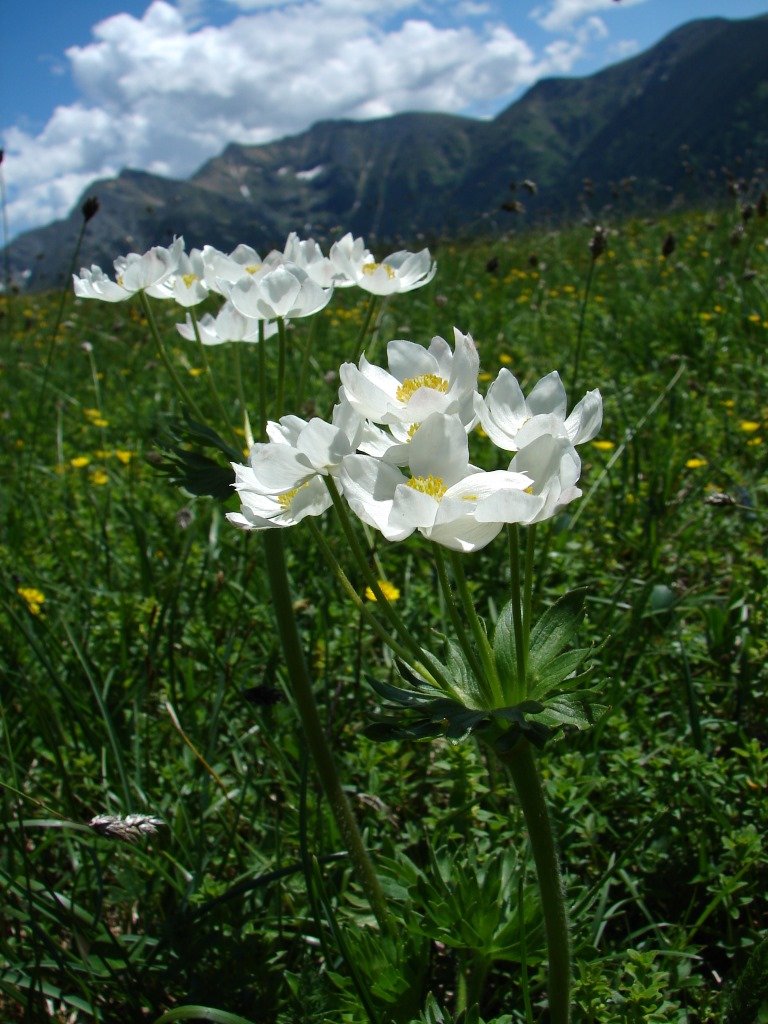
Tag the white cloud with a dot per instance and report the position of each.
(560, 15)
(165, 92)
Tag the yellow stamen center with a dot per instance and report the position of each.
(189, 279)
(371, 268)
(285, 500)
(431, 485)
(427, 380)
(253, 268)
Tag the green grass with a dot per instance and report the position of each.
(142, 674)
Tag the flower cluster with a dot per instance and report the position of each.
(397, 449)
(296, 282)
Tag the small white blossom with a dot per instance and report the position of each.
(512, 421)
(418, 382)
(285, 291)
(135, 272)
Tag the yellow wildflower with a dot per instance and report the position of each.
(79, 461)
(33, 597)
(124, 456)
(99, 478)
(695, 463)
(603, 446)
(749, 426)
(389, 590)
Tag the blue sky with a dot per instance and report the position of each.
(92, 86)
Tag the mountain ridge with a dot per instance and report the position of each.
(659, 124)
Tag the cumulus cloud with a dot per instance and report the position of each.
(167, 91)
(560, 15)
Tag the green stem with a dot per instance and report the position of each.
(478, 630)
(416, 659)
(241, 397)
(262, 384)
(209, 375)
(530, 792)
(456, 620)
(182, 392)
(359, 345)
(280, 368)
(513, 535)
(307, 355)
(530, 543)
(313, 730)
(580, 333)
(366, 612)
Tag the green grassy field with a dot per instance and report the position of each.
(142, 674)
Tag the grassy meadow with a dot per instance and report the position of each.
(142, 673)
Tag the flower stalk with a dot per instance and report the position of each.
(306, 706)
(525, 775)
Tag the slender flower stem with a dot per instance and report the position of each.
(281, 349)
(306, 356)
(262, 384)
(395, 620)
(241, 397)
(530, 545)
(573, 387)
(365, 610)
(521, 646)
(209, 373)
(373, 302)
(456, 620)
(478, 630)
(182, 392)
(530, 792)
(313, 730)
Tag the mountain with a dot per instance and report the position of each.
(657, 127)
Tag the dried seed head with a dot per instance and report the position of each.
(129, 829)
(90, 208)
(263, 696)
(184, 518)
(762, 204)
(598, 243)
(719, 498)
(746, 212)
(669, 245)
(492, 265)
(515, 206)
(530, 187)
(736, 235)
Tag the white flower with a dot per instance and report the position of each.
(512, 421)
(93, 283)
(260, 511)
(187, 284)
(223, 270)
(308, 255)
(283, 481)
(441, 496)
(401, 272)
(346, 257)
(419, 382)
(133, 273)
(227, 325)
(285, 291)
(554, 466)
